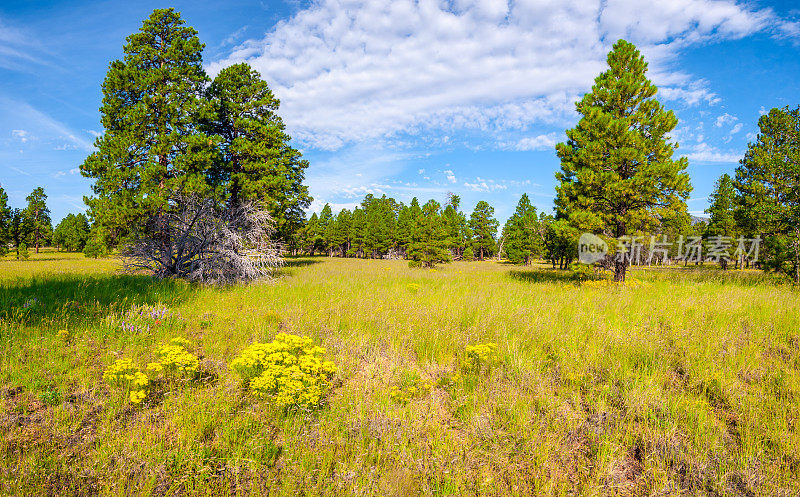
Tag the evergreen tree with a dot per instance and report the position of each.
(484, 229)
(341, 236)
(379, 236)
(455, 222)
(19, 230)
(151, 147)
(256, 161)
(358, 228)
(430, 244)
(468, 255)
(721, 210)
(324, 221)
(617, 171)
(312, 237)
(561, 243)
(407, 224)
(721, 207)
(768, 190)
(5, 222)
(72, 233)
(37, 217)
(522, 233)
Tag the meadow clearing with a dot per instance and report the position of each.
(684, 381)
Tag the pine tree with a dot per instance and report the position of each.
(455, 225)
(484, 229)
(37, 218)
(407, 224)
(342, 232)
(325, 219)
(721, 207)
(430, 245)
(19, 230)
(358, 227)
(768, 190)
(521, 232)
(151, 147)
(617, 171)
(5, 222)
(561, 243)
(256, 161)
(72, 233)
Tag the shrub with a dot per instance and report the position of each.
(126, 375)
(175, 361)
(468, 255)
(22, 252)
(97, 244)
(410, 388)
(581, 272)
(479, 357)
(289, 371)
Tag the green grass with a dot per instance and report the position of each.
(686, 383)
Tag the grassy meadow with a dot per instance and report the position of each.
(684, 382)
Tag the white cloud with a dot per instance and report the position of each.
(487, 185)
(450, 176)
(694, 93)
(540, 142)
(20, 134)
(736, 128)
(704, 152)
(60, 174)
(725, 119)
(357, 70)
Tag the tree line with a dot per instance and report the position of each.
(31, 227)
(382, 227)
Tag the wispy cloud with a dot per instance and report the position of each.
(362, 70)
(19, 50)
(26, 121)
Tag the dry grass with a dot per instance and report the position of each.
(684, 384)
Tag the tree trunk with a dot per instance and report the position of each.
(620, 269)
(796, 245)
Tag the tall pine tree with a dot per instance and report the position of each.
(483, 226)
(768, 190)
(430, 243)
(617, 172)
(151, 147)
(5, 222)
(256, 161)
(37, 218)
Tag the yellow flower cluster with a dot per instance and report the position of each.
(480, 356)
(413, 287)
(64, 335)
(629, 282)
(289, 370)
(175, 360)
(125, 374)
(416, 388)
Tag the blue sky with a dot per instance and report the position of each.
(409, 98)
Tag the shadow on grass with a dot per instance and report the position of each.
(542, 276)
(706, 274)
(301, 261)
(81, 297)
